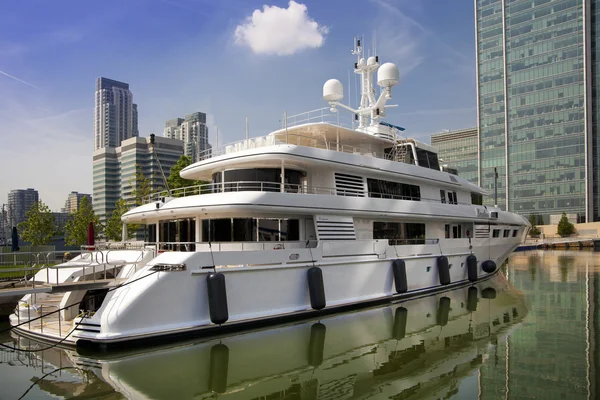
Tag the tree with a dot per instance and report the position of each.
(175, 181)
(114, 226)
(565, 227)
(142, 187)
(76, 229)
(534, 231)
(39, 226)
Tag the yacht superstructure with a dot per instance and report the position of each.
(313, 218)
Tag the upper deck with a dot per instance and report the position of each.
(323, 129)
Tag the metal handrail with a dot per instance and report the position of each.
(282, 138)
(262, 186)
(404, 242)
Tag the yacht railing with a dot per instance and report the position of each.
(255, 186)
(277, 245)
(319, 115)
(290, 139)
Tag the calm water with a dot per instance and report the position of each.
(531, 333)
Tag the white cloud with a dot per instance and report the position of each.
(280, 31)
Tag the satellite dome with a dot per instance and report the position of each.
(371, 60)
(333, 90)
(388, 75)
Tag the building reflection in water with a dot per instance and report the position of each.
(422, 348)
(554, 352)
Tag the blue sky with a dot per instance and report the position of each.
(230, 59)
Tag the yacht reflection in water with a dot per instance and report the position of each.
(420, 348)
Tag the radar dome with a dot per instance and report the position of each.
(371, 60)
(333, 90)
(388, 75)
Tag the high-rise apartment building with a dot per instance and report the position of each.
(115, 115)
(19, 202)
(73, 201)
(115, 170)
(192, 130)
(458, 150)
(538, 114)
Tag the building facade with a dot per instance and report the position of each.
(458, 149)
(192, 130)
(115, 115)
(19, 202)
(538, 105)
(115, 169)
(73, 201)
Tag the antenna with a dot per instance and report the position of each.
(370, 109)
(152, 138)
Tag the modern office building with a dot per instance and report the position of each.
(19, 202)
(115, 115)
(538, 108)
(192, 130)
(458, 150)
(73, 201)
(60, 220)
(115, 170)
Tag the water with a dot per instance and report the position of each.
(531, 332)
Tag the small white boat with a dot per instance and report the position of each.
(313, 218)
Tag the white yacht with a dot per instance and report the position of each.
(313, 218)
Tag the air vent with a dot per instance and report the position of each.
(335, 228)
(482, 231)
(349, 185)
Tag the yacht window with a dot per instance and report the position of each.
(515, 232)
(456, 231)
(428, 159)
(387, 230)
(506, 232)
(477, 199)
(399, 233)
(258, 179)
(496, 233)
(447, 231)
(443, 195)
(250, 230)
(415, 231)
(393, 190)
(452, 198)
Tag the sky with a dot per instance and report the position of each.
(231, 59)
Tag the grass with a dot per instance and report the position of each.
(16, 274)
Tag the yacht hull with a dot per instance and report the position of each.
(165, 305)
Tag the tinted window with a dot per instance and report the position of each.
(496, 233)
(393, 190)
(265, 179)
(477, 199)
(427, 159)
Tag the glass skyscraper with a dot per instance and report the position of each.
(537, 105)
(458, 149)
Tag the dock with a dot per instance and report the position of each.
(569, 243)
